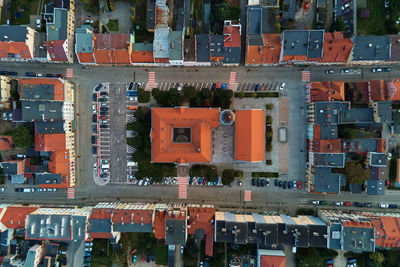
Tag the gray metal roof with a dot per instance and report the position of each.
(315, 43)
(231, 55)
(359, 115)
(358, 239)
(44, 127)
(378, 173)
(359, 145)
(41, 110)
(355, 188)
(327, 182)
(161, 42)
(292, 9)
(57, 30)
(133, 228)
(84, 39)
(142, 47)
(37, 91)
(202, 48)
(372, 47)
(378, 159)
(10, 167)
(175, 232)
(329, 160)
(216, 45)
(385, 111)
(13, 33)
(100, 226)
(303, 43)
(335, 236)
(17, 178)
(254, 20)
(176, 45)
(328, 112)
(47, 178)
(375, 187)
(151, 14)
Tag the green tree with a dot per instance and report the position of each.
(23, 136)
(189, 92)
(143, 96)
(222, 98)
(355, 173)
(227, 12)
(268, 119)
(205, 93)
(269, 106)
(228, 176)
(377, 257)
(346, 133)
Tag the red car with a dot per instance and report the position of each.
(387, 182)
(299, 184)
(347, 203)
(103, 117)
(204, 181)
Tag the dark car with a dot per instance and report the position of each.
(94, 149)
(64, 261)
(103, 126)
(152, 258)
(393, 206)
(93, 139)
(103, 93)
(50, 75)
(103, 99)
(13, 73)
(284, 185)
(358, 204)
(276, 182)
(94, 118)
(19, 189)
(253, 182)
(103, 113)
(257, 88)
(94, 97)
(3, 72)
(59, 76)
(98, 87)
(262, 182)
(148, 258)
(258, 182)
(87, 258)
(280, 183)
(130, 86)
(213, 87)
(103, 108)
(368, 205)
(30, 74)
(386, 69)
(94, 128)
(290, 185)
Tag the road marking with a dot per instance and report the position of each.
(70, 73)
(152, 79)
(305, 76)
(71, 193)
(232, 80)
(247, 195)
(182, 188)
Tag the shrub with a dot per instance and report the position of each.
(228, 176)
(269, 106)
(268, 162)
(143, 96)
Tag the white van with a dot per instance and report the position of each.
(29, 190)
(140, 182)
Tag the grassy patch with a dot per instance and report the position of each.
(256, 94)
(375, 24)
(315, 257)
(264, 174)
(161, 254)
(208, 171)
(101, 253)
(19, 12)
(143, 96)
(113, 25)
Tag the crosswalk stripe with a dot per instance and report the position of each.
(71, 193)
(305, 76)
(247, 195)
(70, 73)
(182, 187)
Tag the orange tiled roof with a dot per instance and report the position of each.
(132, 216)
(387, 232)
(378, 90)
(103, 213)
(326, 91)
(231, 36)
(14, 48)
(58, 86)
(317, 132)
(294, 58)
(142, 57)
(393, 90)
(118, 41)
(86, 57)
(14, 216)
(5, 143)
(327, 146)
(357, 224)
(336, 48)
(273, 261)
(59, 162)
(250, 135)
(159, 224)
(109, 56)
(200, 218)
(49, 142)
(270, 52)
(199, 120)
(381, 145)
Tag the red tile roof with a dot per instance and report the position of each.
(14, 48)
(159, 224)
(26, 83)
(381, 145)
(336, 48)
(86, 57)
(250, 135)
(327, 146)
(199, 120)
(232, 35)
(103, 213)
(269, 53)
(142, 57)
(273, 261)
(14, 216)
(317, 132)
(109, 56)
(56, 51)
(326, 91)
(201, 218)
(393, 90)
(294, 58)
(377, 88)
(118, 41)
(5, 143)
(132, 216)
(387, 232)
(94, 235)
(49, 142)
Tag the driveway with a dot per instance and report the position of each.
(122, 13)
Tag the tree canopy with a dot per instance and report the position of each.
(22, 136)
(170, 98)
(228, 176)
(355, 173)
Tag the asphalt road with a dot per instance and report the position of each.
(87, 192)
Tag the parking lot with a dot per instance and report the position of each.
(345, 9)
(240, 87)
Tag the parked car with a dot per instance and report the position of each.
(393, 206)
(358, 204)
(314, 202)
(383, 205)
(257, 87)
(59, 75)
(12, 73)
(376, 70)
(94, 97)
(50, 75)
(94, 118)
(94, 150)
(329, 71)
(267, 182)
(88, 249)
(103, 126)
(386, 69)
(3, 72)
(368, 205)
(130, 86)
(280, 183)
(323, 202)
(253, 181)
(181, 249)
(94, 128)
(30, 74)
(103, 99)
(213, 87)
(276, 182)
(98, 87)
(290, 185)
(103, 109)
(284, 184)
(338, 203)
(262, 182)
(258, 182)
(345, 71)
(282, 86)
(347, 203)
(103, 113)
(104, 121)
(103, 93)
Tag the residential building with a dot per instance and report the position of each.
(6, 143)
(176, 40)
(134, 217)
(270, 258)
(142, 53)
(161, 44)
(112, 48)
(34, 256)
(16, 42)
(327, 91)
(182, 134)
(14, 216)
(5, 91)
(266, 54)
(176, 225)
(370, 49)
(84, 45)
(336, 48)
(100, 225)
(302, 45)
(200, 221)
(250, 135)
